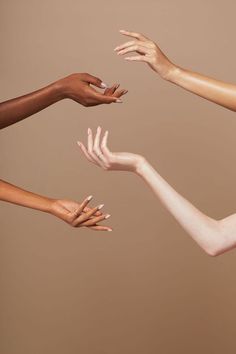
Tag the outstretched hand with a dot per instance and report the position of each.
(98, 153)
(79, 215)
(79, 87)
(148, 51)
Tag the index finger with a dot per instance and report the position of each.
(136, 35)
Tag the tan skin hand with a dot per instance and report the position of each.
(216, 91)
(98, 153)
(79, 215)
(147, 51)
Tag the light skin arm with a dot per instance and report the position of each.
(213, 236)
(219, 92)
(74, 213)
(77, 87)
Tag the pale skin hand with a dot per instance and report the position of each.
(219, 92)
(213, 236)
(77, 87)
(73, 213)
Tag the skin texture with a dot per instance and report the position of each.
(221, 93)
(73, 213)
(78, 87)
(213, 236)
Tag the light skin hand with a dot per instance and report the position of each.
(98, 153)
(213, 236)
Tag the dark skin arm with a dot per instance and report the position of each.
(76, 87)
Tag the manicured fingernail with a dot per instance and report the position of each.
(109, 230)
(107, 216)
(89, 130)
(79, 143)
(103, 85)
(100, 206)
(90, 197)
(119, 100)
(122, 30)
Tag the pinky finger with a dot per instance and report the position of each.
(100, 228)
(85, 152)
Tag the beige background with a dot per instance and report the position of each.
(145, 288)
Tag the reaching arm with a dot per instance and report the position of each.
(216, 91)
(73, 213)
(76, 87)
(213, 236)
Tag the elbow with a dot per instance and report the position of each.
(216, 244)
(213, 251)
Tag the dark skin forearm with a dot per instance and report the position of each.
(76, 87)
(16, 109)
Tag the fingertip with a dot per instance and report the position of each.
(103, 85)
(89, 198)
(118, 100)
(89, 131)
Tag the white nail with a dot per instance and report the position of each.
(100, 206)
(107, 216)
(119, 100)
(103, 85)
(90, 197)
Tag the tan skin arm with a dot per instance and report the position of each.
(74, 213)
(76, 87)
(213, 236)
(219, 92)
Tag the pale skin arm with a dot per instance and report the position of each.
(77, 87)
(219, 92)
(74, 213)
(213, 236)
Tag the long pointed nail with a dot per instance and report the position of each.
(90, 197)
(103, 85)
(109, 230)
(79, 143)
(89, 130)
(119, 100)
(107, 216)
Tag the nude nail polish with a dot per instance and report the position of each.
(90, 197)
(100, 206)
(107, 216)
(103, 85)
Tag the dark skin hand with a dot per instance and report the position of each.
(77, 87)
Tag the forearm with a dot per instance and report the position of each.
(204, 230)
(12, 194)
(19, 108)
(213, 90)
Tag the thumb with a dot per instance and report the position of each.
(95, 81)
